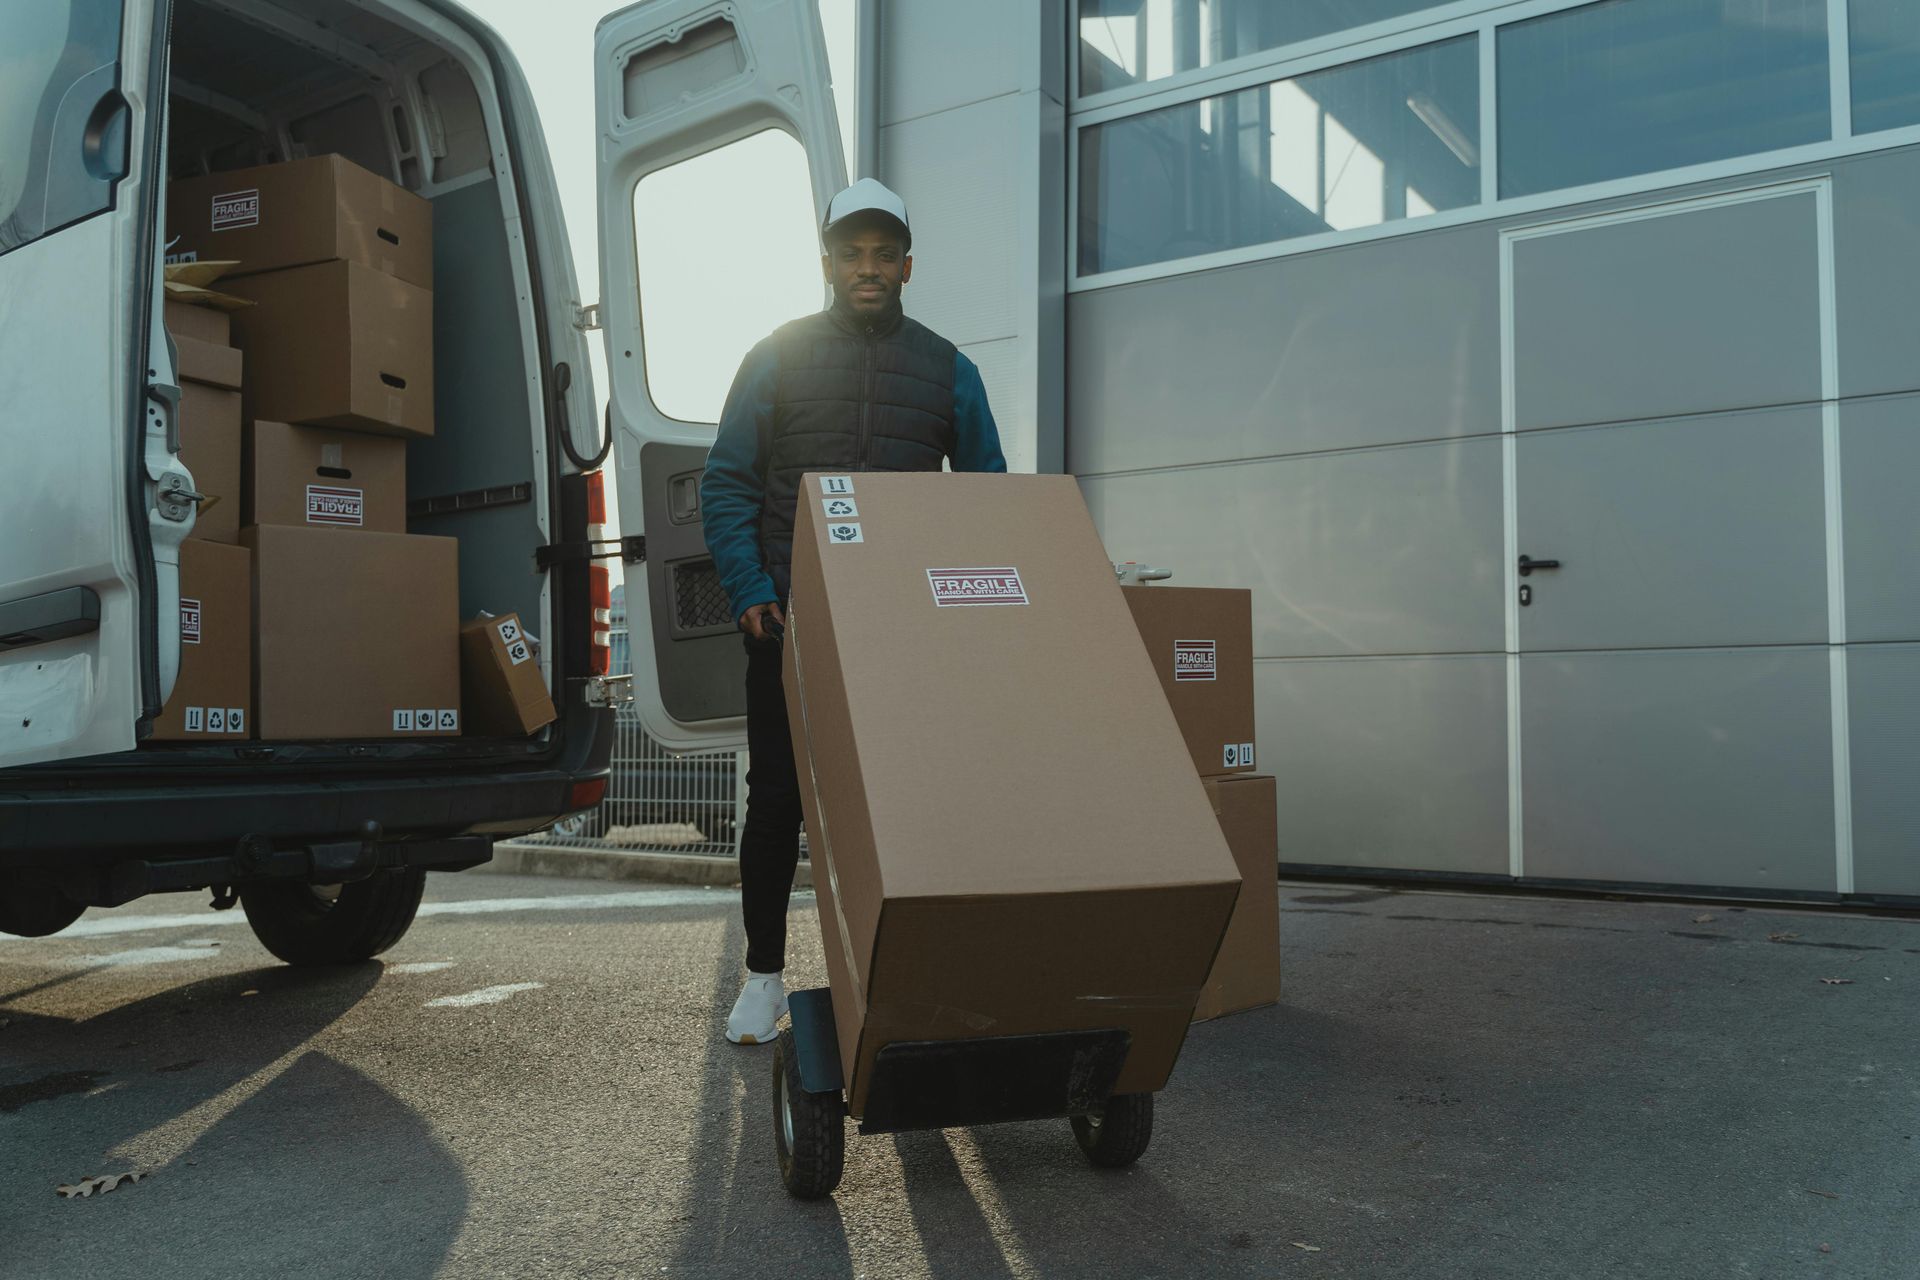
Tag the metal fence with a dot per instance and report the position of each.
(658, 800)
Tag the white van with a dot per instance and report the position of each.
(102, 102)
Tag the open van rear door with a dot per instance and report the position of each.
(86, 563)
(677, 83)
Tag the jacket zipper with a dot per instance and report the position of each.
(866, 396)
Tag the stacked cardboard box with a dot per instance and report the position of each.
(1002, 846)
(212, 696)
(356, 622)
(1201, 643)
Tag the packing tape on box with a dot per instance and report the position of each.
(825, 846)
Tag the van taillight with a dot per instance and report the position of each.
(599, 579)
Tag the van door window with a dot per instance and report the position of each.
(63, 123)
(728, 252)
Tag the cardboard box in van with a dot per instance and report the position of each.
(337, 345)
(1201, 643)
(288, 215)
(323, 477)
(1007, 839)
(202, 324)
(210, 409)
(354, 637)
(1246, 973)
(213, 696)
(502, 688)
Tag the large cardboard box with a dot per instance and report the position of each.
(1246, 973)
(1005, 839)
(288, 215)
(1201, 643)
(354, 637)
(324, 477)
(212, 698)
(502, 689)
(210, 379)
(337, 345)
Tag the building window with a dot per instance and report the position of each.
(1627, 87)
(1885, 35)
(1354, 146)
(1128, 42)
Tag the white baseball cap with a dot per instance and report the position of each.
(866, 196)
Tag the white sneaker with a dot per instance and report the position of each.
(756, 1014)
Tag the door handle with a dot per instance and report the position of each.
(1528, 564)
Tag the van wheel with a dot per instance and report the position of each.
(1117, 1134)
(32, 908)
(311, 924)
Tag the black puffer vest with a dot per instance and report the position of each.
(851, 395)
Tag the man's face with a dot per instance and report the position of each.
(867, 266)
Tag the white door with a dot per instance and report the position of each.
(88, 562)
(719, 149)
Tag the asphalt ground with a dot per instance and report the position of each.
(533, 1084)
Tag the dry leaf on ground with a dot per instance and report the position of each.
(1704, 917)
(1838, 982)
(89, 1186)
(1782, 937)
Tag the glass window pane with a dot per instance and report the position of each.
(1353, 146)
(728, 252)
(58, 62)
(1125, 42)
(1886, 64)
(1637, 86)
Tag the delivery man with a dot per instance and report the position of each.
(857, 387)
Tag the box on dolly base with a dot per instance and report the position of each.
(1021, 883)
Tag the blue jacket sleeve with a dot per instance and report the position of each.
(976, 445)
(732, 488)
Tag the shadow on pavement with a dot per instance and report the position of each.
(743, 1221)
(265, 1158)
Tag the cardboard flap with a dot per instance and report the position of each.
(216, 366)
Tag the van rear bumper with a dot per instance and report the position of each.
(108, 841)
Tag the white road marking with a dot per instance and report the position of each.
(144, 955)
(485, 995)
(420, 966)
(102, 926)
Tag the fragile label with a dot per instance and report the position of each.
(976, 586)
(236, 209)
(843, 533)
(836, 486)
(1193, 660)
(329, 504)
(840, 509)
(189, 621)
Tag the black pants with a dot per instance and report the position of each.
(770, 845)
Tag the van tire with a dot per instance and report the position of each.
(32, 908)
(302, 925)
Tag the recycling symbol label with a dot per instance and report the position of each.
(841, 509)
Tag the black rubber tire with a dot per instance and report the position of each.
(813, 1147)
(32, 908)
(1118, 1134)
(303, 927)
